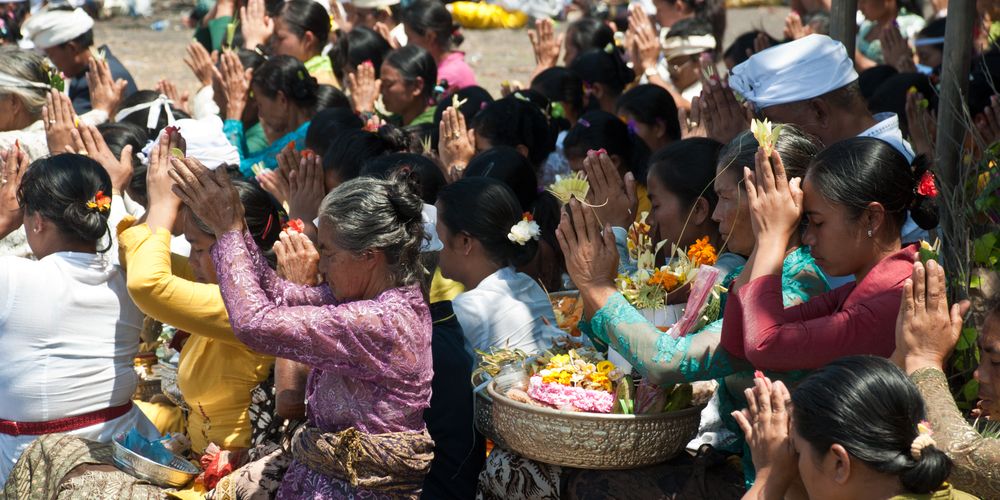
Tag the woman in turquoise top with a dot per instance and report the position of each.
(697, 356)
(285, 95)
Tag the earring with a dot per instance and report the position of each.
(869, 233)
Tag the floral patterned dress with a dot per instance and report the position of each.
(371, 359)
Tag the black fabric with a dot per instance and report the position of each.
(459, 451)
(79, 90)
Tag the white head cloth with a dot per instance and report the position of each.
(10, 81)
(793, 71)
(50, 28)
(206, 142)
(686, 45)
(155, 107)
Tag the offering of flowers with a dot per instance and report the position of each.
(568, 311)
(580, 380)
(765, 134)
(649, 285)
(928, 252)
(571, 186)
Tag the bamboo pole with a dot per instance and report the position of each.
(844, 23)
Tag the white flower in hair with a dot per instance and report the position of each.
(525, 230)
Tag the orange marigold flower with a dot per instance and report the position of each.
(100, 202)
(665, 279)
(702, 252)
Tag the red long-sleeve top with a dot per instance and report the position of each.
(857, 318)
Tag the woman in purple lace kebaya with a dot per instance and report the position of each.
(366, 332)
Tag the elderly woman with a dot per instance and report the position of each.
(70, 332)
(366, 333)
(926, 333)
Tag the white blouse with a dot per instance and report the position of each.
(507, 310)
(69, 334)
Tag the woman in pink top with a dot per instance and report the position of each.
(855, 196)
(429, 25)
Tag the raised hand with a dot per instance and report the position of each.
(691, 124)
(201, 63)
(60, 120)
(922, 124)
(276, 181)
(988, 123)
(591, 255)
(257, 26)
(364, 88)
(614, 198)
(456, 145)
(298, 260)
(766, 425)
(106, 93)
(235, 84)
(896, 51)
(775, 200)
(926, 329)
(306, 188)
(383, 29)
(545, 44)
(645, 44)
(163, 203)
(794, 29)
(13, 164)
(724, 117)
(209, 194)
(180, 100)
(88, 139)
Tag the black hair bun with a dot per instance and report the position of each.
(89, 224)
(928, 472)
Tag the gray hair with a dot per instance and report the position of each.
(796, 147)
(387, 215)
(28, 66)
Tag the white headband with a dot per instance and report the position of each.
(920, 42)
(686, 45)
(155, 107)
(16, 82)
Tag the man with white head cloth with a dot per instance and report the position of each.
(811, 82)
(67, 37)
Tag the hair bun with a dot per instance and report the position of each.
(928, 472)
(87, 223)
(923, 209)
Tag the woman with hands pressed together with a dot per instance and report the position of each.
(855, 196)
(853, 429)
(285, 95)
(926, 333)
(216, 371)
(365, 332)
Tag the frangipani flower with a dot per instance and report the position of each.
(525, 230)
(766, 135)
(572, 186)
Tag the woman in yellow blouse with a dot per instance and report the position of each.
(216, 372)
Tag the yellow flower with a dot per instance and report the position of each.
(571, 186)
(559, 360)
(702, 252)
(605, 367)
(766, 135)
(565, 378)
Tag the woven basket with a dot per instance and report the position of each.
(589, 440)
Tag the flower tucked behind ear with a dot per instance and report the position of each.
(525, 230)
(100, 202)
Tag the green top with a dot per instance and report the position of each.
(255, 139)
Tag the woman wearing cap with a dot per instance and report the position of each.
(70, 331)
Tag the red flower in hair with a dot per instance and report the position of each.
(295, 225)
(926, 186)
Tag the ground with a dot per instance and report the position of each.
(495, 55)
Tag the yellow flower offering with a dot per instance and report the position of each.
(572, 186)
(766, 135)
(702, 252)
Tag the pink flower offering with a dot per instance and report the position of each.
(566, 397)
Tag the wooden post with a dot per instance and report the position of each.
(954, 86)
(844, 23)
(951, 130)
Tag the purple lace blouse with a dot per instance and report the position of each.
(371, 359)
